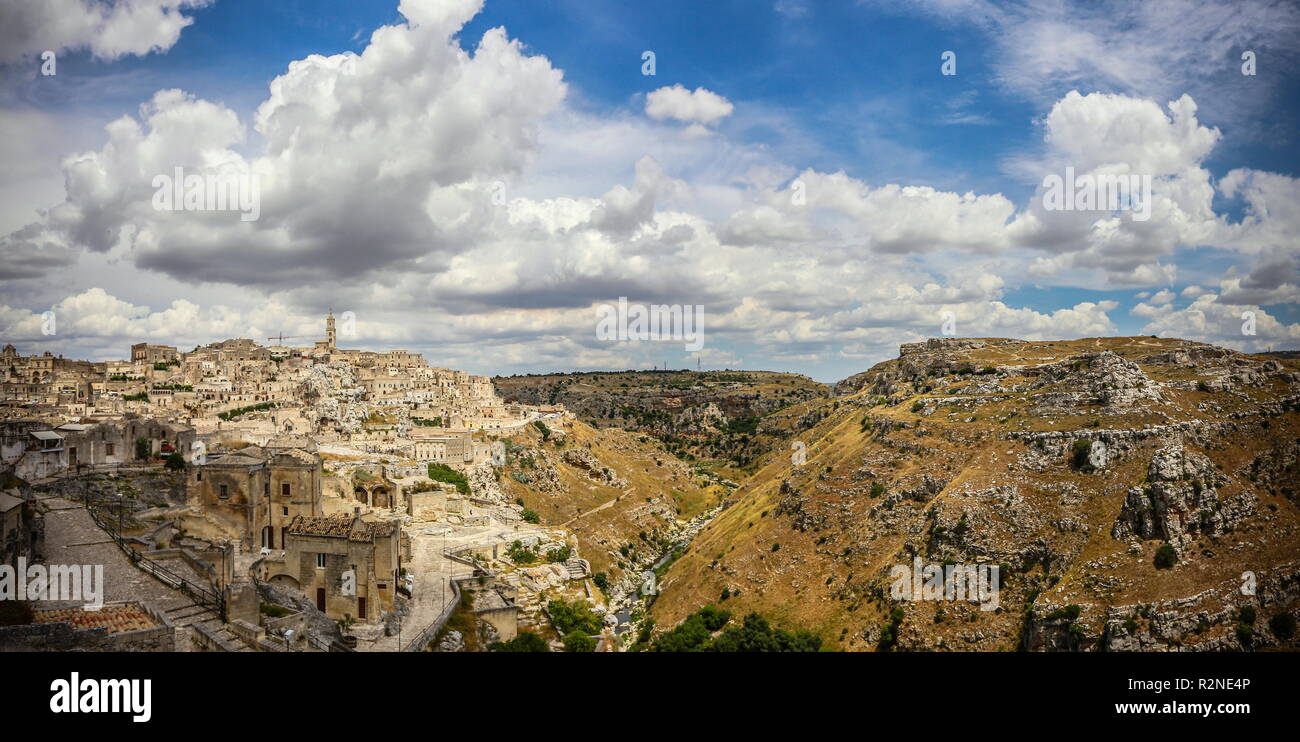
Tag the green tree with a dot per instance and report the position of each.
(525, 641)
(1166, 557)
(579, 642)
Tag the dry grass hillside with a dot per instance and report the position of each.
(1067, 464)
(624, 498)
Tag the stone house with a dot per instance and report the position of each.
(346, 565)
(255, 493)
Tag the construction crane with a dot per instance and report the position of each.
(282, 337)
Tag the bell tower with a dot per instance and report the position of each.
(331, 336)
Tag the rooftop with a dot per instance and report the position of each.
(117, 618)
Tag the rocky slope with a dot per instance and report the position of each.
(626, 500)
(1069, 465)
(709, 415)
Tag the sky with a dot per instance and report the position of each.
(474, 180)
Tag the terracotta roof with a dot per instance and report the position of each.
(340, 525)
(116, 618)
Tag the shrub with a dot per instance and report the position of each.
(1245, 634)
(917, 406)
(520, 554)
(1166, 557)
(1079, 453)
(444, 473)
(274, 611)
(877, 489)
(1070, 611)
(175, 461)
(541, 428)
(574, 616)
(601, 579)
(525, 641)
(1247, 614)
(579, 642)
(530, 516)
(1282, 625)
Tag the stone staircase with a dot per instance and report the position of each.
(578, 568)
(187, 617)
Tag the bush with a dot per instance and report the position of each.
(579, 642)
(1247, 614)
(444, 473)
(530, 516)
(142, 449)
(519, 554)
(1079, 454)
(601, 579)
(274, 611)
(1282, 625)
(1166, 557)
(1070, 611)
(1245, 634)
(175, 462)
(877, 489)
(525, 641)
(917, 406)
(574, 616)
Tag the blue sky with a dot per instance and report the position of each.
(811, 89)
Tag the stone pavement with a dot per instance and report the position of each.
(72, 537)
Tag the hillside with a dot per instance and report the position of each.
(709, 417)
(626, 500)
(1067, 464)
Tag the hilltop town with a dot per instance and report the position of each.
(284, 498)
(1129, 494)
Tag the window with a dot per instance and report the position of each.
(320, 561)
(199, 475)
(284, 489)
(286, 510)
(110, 449)
(224, 493)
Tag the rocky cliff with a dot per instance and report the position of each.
(1132, 493)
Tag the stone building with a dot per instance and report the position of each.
(346, 565)
(150, 354)
(18, 531)
(255, 493)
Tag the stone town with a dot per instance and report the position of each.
(245, 497)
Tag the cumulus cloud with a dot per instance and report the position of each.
(109, 29)
(1211, 319)
(699, 106)
(383, 159)
(457, 203)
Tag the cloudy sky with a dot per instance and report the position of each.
(473, 179)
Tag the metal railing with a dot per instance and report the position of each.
(202, 594)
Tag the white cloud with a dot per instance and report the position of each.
(700, 106)
(597, 206)
(110, 29)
